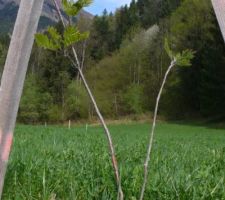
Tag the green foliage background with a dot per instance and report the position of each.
(125, 62)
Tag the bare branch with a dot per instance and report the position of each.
(83, 57)
(148, 157)
(59, 13)
(109, 138)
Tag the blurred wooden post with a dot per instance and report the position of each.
(219, 8)
(86, 128)
(69, 125)
(14, 75)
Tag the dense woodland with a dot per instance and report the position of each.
(125, 62)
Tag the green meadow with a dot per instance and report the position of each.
(57, 163)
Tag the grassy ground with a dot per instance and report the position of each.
(188, 163)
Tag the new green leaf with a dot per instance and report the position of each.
(51, 42)
(72, 35)
(72, 8)
(184, 58)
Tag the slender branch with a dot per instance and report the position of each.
(83, 57)
(111, 147)
(148, 157)
(59, 12)
(109, 138)
(76, 56)
(83, 54)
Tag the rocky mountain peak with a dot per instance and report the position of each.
(9, 8)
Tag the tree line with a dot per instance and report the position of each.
(125, 62)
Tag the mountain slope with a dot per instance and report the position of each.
(9, 9)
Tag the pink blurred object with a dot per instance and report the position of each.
(7, 147)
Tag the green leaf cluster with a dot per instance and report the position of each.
(72, 8)
(53, 40)
(182, 58)
(72, 35)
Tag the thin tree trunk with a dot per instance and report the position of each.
(130, 71)
(111, 147)
(148, 156)
(63, 102)
(83, 54)
(139, 74)
(77, 64)
(82, 58)
(116, 105)
(14, 75)
(134, 79)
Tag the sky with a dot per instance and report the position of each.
(98, 6)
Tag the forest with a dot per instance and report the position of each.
(124, 61)
(160, 60)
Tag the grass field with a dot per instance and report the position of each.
(188, 163)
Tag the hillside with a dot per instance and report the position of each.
(125, 63)
(9, 8)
